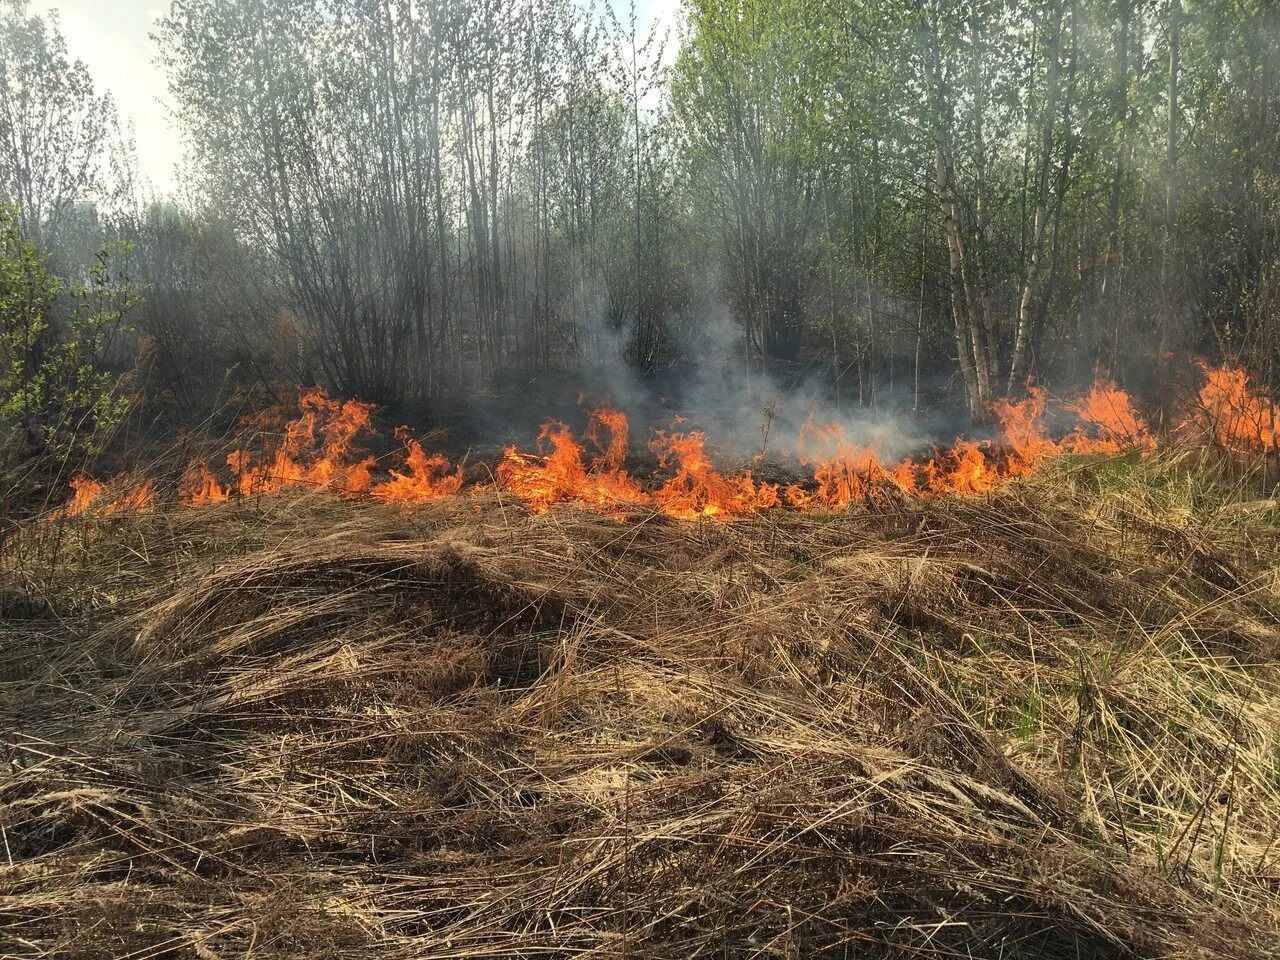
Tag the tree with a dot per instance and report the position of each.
(56, 393)
(746, 102)
(1040, 198)
(1168, 317)
(53, 127)
(981, 190)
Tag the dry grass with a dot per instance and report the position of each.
(1044, 725)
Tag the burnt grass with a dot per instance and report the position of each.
(1042, 724)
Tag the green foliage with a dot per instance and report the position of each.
(57, 395)
(899, 190)
(751, 106)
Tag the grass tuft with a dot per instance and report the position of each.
(1045, 724)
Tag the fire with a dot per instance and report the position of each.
(428, 476)
(845, 472)
(90, 497)
(318, 449)
(1241, 417)
(200, 488)
(613, 453)
(543, 481)
(84, 491)
(561, 476)
(697, 489)
(1114, 423)
(315, 451)
(1024, 433)
(963, 469)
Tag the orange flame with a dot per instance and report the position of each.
(84, 491)
(200, 488)
(1023, 431)
(305, 459)
(697, 489)
(562, 475)
(428, 476)
(844, 472)
(1241, 417)
(90, 497)
(963, 469)
(1115, 425)
(317, 449)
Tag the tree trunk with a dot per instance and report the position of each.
(1168, 317)
(1111, 254)
(1022, 343)
(970, 341)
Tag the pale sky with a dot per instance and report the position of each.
(113, 38)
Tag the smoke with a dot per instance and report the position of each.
(745, 412)
(713, 384)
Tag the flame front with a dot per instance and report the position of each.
(428, 476)
(1023, 425)
(90, 497)
(200, 488)
(318, 449)
(1115, 425)
(962, 469)
(562, 475)
(697, 489)
(845, 472)
(315, 451)
(1240, 417)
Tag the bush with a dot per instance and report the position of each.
(58, 397)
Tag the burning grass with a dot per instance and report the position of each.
(1039, 723)
(320, 449)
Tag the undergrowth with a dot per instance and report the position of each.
(1043, 724)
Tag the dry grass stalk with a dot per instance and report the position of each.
(1044, 725)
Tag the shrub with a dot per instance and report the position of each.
(58, 396)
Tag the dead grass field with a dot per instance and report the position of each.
(1044, 724)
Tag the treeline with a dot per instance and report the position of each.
(1019, 188)
(405, 199)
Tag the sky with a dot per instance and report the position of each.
(113, 39)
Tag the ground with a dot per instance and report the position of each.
(1044, 723)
